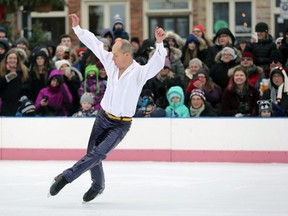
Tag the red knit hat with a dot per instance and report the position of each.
(248, 54)
(200, 27)
(82, 49)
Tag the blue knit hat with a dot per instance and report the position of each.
(118, 20)
(192, 38)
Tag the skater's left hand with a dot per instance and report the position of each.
(159, 35)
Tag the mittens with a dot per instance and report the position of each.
(10, 76)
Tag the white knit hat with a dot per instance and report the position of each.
(59, 63)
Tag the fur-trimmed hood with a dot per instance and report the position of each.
(176, 52)
(251, 70)
(179, 40)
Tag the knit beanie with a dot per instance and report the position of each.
(229, 50)
(88, 69)
(192, 38)
(81, 50)
(87, 97)
(261, 27)
(265, 105)
(204, 72)
(2, 29)
(198, 92)
(118, 20)
(22, 40)
(26, 104)
(59, 63)
(200, 27)
(248, 55)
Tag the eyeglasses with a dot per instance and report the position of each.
(246, 59)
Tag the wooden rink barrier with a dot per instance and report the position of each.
(245, 140)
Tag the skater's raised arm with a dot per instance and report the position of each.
(159, 35)
(75, 20)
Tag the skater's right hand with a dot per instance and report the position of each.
(74, 19)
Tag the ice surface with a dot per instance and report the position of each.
(148, 189)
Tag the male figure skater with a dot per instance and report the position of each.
(125, 81)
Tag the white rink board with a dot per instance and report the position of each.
(148, 133)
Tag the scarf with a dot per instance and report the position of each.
(196, 112)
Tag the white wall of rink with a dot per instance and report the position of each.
(194, 134)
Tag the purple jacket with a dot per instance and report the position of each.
(58, 97)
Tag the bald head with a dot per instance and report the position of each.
(124, 46)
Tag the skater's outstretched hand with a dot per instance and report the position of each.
(159, 34)
(74, 19)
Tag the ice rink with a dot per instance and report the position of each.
(148, 189)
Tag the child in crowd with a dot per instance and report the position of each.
(146, 106)
(93, 85)
(176, 108)
(265, 108)
(87, 106)
(27, 107)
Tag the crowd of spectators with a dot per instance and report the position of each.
(202, 76)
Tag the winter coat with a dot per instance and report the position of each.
(262, 51)
(232, 104)
(176, 109)
(58, 98)
(176, 64)
(86, 113)
(208, 110)
(219, 72)
(11, 92)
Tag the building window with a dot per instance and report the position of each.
(177, 24)
(235, 15)
(243, 17)
(220, 16)
(171, 15)
(101, 15)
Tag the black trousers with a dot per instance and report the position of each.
(106, 134)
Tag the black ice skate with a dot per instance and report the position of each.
(58, 184)
(91, 194)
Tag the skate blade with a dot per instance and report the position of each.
(53, 181)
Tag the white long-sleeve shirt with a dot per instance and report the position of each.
(122, 94)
